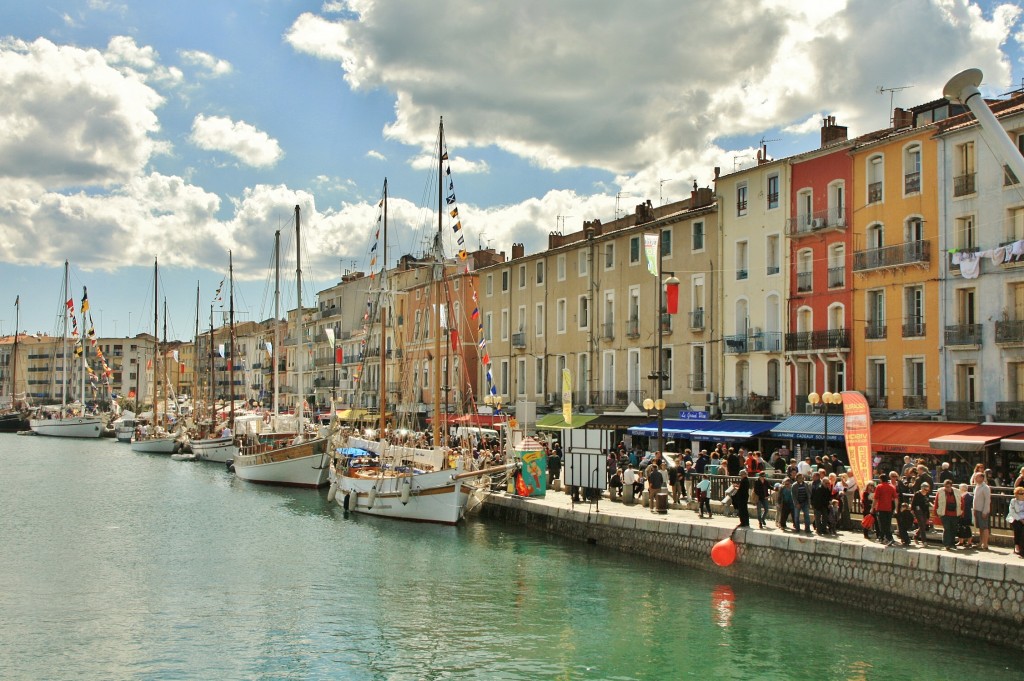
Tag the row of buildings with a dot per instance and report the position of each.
(891, 263)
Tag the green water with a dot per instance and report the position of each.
(115, 565)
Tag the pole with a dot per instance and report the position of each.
(661, 386)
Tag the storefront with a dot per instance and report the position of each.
(750, 434)
(811, 435)
(983, 444)
(891, 441)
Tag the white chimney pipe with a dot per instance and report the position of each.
(963, 87)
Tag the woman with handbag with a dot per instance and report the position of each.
(866, 505)
(1016, 520)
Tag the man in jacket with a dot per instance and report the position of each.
(741, 498)
(884, 507)
(801, 503)
(821, 497)
(948, 506)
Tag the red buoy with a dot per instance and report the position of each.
(724, 552)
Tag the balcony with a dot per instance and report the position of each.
(323, 361)
(608, 331)
(877, 398)
(915, 401)
(666, 324)
(697, 319)
(804, 282)
(765, 341)
(837, 277)
(963, 335)
(741, 208)
(519, 340)
(741, 274)
(696, 382)
(874, 192)
(830, 339)
(965, 411)
(772, 269)
(329, 312)
(613, 398)
(913, 328)
(1011, 332)
(806, 223)
(736, 344)
(874, 331)
(963, 184)
(912, 183)
(754, 404)
(394, 386)
(632, 328)
(1010, 411)
(908, 253)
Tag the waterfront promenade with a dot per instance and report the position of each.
(971, 592)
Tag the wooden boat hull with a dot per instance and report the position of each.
(74, 426)
(13, 422)
(217, 449)
(156, 445)
(433, 497)
(291, 465)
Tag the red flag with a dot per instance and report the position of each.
(149, 364)
(181, 368)
(339, 355)
(454, 333)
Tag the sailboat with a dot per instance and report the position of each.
(154, 438)
(219, 446)
(384, 478)
(14, 416)
(70, 420)
(297, 459)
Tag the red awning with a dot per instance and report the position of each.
(478, 420)
(976, 438)
(912, 437)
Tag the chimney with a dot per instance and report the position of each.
(518, 251)
(901, 118)
(702, 197)
(830, 132)
(762, 154)
(555, 239)
(693, 195)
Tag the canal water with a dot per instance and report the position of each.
(115, 565)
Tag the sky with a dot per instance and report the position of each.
(141, 131)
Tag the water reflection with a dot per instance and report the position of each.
(723, 604)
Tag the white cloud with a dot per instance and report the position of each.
(70, 119)
(373, 153)
(625, 90)
(245, 142)
(212, 66)
(459, 164)
(143, 62)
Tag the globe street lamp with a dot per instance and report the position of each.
(825, 399)
(660, 405)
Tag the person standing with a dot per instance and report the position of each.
(982, 508)
(785, 503)
(655, 482)
(867, 508)
(821, 498)
(948, 506)
(703, 493)
(554, 466)
(922, 508)
(801, 503)
(885, 506)
(629, 484)
(763, 490)
(1015, 518)
(741, 499)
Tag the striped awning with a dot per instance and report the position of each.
(810, 427)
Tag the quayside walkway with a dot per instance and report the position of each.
(971, 592)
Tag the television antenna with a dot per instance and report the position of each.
(617, 197)
(560, 223)
(892, 93)
(661, 185)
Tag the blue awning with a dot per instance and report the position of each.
(810, 427)
(671, 427)
(732, 430)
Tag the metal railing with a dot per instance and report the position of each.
(804, 282)
(1010, 332)
(697, 318)
(874, 331)
(912, 183)
(765, 341)
(960, 410)
(608, 330)
(915, 401)
(830, 339)
(913, 328)
(963, 184)
(736, 344)
(519, 340)
(874, 192)
(830, 218)
(963, 334)
(632, 328)
(908, 253)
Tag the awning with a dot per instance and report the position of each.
(975, 439)
(612, 421)
(671, 427)
(480, 420)
(810, 427)
(911, 437)
(352, 414)
(1012, 444)
(732, 430)
(556, 422)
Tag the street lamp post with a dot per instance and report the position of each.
(494, 402)
(671, 306)
(825, 399)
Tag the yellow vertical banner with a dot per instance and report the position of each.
(857, 431)
(566, 397)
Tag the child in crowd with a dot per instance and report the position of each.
(834, 516)
(905, 523)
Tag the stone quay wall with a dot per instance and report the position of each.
(970, 595)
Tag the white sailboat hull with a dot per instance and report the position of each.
(218, 449)
(433, 497)
(74, 426)
(156, 445)
(293, 465)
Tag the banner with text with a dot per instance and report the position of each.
(857, 430)
(566, 396)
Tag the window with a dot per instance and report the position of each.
(875, 236)
(521, 319)
(966, 239)
(666, 243)
(522, 276)
(742, 379)
(634, 250)
(966, 309)
(741, 260)
(521, 377)
(560, 267)
(804, 210)
(503, 387)
(697, 377)
(489, 326)
(837, 204)
(609, 255)
(914, 384)
(538, 374)
(963, 172)
(584, 312)
(1015, 225)
(912, 169)
(1009, 178)
(608, 331)
(876, 176)
(504, 281)
(914, 230)
(913, 311)
(560, 314)
(773, 379)
(697, 231)
(773, 191)
(538, 319)
(583, 256)
(488, 287)
(608, 373)
(876, 314)
(966, 383)
(837, 266)
(540, 272)
(666, 369)
(741, 199)
(772, 254)
(805, 271)
(876, 392)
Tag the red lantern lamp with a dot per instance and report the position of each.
(672, 295)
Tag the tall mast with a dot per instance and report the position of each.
(85, 353)
(156, 337)
(382, 308)
(14, 354)
(277, 315)
(438, 273)
(167, 388)
(212, 379)
(64, 342)
(195, 373)
(231, 339)
(299, 344)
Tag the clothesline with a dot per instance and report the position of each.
(969, 262)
